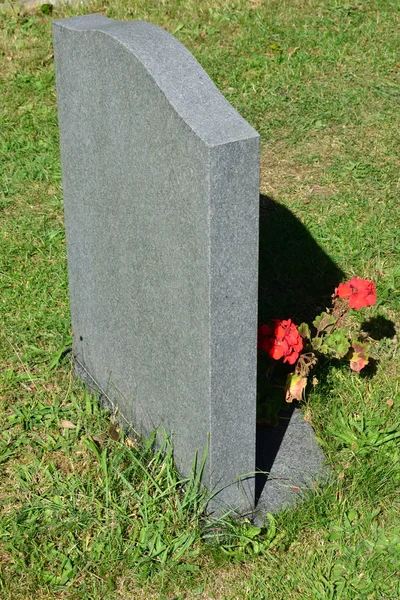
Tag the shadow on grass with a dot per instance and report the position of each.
(379, 328)
(370, 370)
(296, 281)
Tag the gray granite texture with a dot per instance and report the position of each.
(298, 467)
(161, 194)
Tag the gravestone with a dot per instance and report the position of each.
(161, 196)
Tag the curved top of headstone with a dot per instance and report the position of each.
(176, 72)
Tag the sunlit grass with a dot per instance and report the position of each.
(86, 515)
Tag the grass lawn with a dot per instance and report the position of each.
(87, 514)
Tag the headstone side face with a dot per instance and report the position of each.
(160, 180)
(234, 272)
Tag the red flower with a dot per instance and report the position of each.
(264, 333)
(359, 292)
(281, 341)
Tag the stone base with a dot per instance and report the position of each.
(298, 467)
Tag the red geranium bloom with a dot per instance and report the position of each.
(281, 341)
(359, 292)
(263, 339)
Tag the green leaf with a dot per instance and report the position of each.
(252, 531)
(352, 515)
(316, 343)
(65, 348)
(337, 343)
(319, 345)
(323, 322)
(304, 331)
(178, 28)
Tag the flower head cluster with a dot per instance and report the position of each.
(359, 292)
(282, 340)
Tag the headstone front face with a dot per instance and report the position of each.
(161, 195)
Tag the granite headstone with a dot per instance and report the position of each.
(161, 195)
